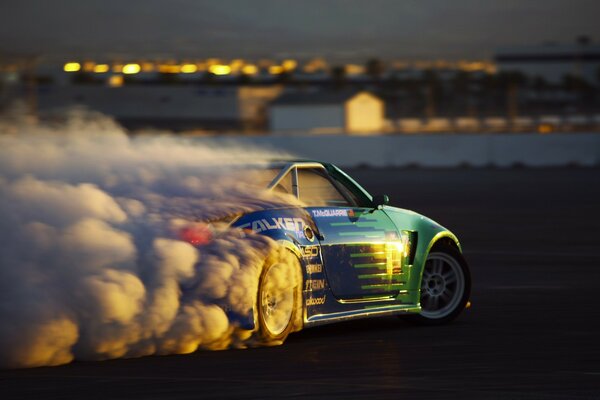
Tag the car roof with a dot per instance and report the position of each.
(297, 162)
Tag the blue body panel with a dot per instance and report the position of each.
(354, 266)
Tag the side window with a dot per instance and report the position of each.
(316, 189)
(285, 185)
(347, 193)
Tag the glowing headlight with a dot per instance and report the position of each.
(404, 245)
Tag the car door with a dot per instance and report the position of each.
(360, 246)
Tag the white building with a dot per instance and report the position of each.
(552, 62)
(327, 112)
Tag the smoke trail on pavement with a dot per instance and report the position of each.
(92, 263)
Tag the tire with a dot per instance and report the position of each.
(279, 299)
(445, 286)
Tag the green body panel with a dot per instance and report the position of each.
(429, 232)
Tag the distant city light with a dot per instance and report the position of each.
(354, 69)
(289, 65)
(88, 66)
(276, 69)
(115, 81)
(131, 68)
(236, 64)
(265, 63)
(147, 67)
(169, 69)
(220, 69)
(101, 68)
(189, 68)
(250, 69)
(72, 67)
(316, 65)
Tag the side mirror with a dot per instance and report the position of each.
(380, 200)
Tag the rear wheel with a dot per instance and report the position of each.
(279, 300)
(445, 286)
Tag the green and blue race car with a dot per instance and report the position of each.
(353, 254)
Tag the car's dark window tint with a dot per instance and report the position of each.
(317, 190)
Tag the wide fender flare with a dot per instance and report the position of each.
(422, 255)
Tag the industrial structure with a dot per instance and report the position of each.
(327, 112)
(553, 62)
(176, 107)
(542, 88)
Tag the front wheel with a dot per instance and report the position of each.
(445, 286)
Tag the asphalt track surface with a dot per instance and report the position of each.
(532, 239)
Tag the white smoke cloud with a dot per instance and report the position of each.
(91, 264)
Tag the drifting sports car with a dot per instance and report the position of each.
(357, 256)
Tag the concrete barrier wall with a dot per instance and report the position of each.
(434, 150)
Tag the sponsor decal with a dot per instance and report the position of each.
(315, 301)
(314, 268)
(314, 284)
(310, 251)
(330, 213)
(268, 224)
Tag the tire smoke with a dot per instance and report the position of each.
(92, 262)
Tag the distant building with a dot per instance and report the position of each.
(552, 62)
(167, 106)
(327, 112)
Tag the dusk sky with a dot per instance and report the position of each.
(335, 29)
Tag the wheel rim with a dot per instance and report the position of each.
(276, 299)
(442, 286)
